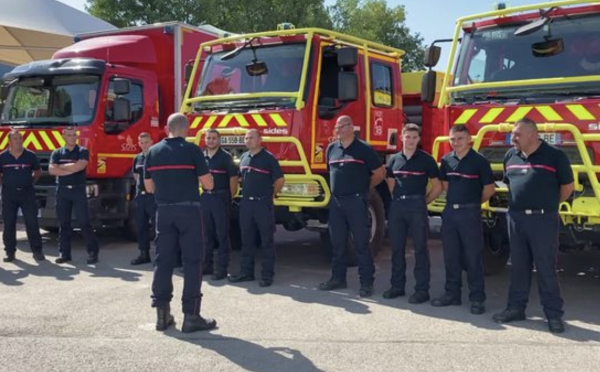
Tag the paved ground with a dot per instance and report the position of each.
(97, 318)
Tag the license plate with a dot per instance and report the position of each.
(550, 138)
(232, 140)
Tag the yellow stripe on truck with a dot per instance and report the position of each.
(242, 120)
(519, 114)
(278, 120)
(491, 115)
(259, 120)
(465, 116)
(549, 113)
(225, 121)
(209, 122)
(49, 144)
(581, 112)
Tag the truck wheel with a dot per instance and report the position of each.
(496, 246)
(376, 228)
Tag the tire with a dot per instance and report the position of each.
(496, 246)
(377, 229)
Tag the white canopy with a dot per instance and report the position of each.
(34, 29)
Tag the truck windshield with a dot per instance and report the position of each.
(48, 100)
(495, 54)
(221, 77)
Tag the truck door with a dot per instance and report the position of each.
(385, 108)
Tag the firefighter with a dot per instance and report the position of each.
(145, 211)
(354, 168)
(261, 179)
(174, 171)
(408, 173)
(68, 164)
(216, 205)
(468, 180)
(19, 170)
(539, 178)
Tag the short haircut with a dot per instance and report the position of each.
(67, 129)
(177, 122)
(213, 131)
(14, 132)
(411, 127)
(145, 135)
(345, 119)
(255, 131)
(460, 128)
(528, 123)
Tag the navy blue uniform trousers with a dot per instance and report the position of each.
(215, 219)
(408, 217)
(534, 240)
(14, 198)
(178, 226)
(145, 214)
(350, 215)
(462, 238)
(67, 201)
(257, 220)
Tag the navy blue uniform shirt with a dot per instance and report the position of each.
(18, 172)
(258, 173)
(350, 168)
(466, 177)
(412, 175)
(66, 156)
(174, 166)
(534, 181)
(222, 168)
(139, 163)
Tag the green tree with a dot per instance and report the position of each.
(374, 20)
(369, 19)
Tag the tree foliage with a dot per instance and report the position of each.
(369, 19)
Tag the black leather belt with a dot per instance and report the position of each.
(258, 198)
(222, 191)
(71, 186)
(351, 196)
(180, 204)
(465, 206)
(531, 211)
(406, 197)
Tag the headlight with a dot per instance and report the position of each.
(309, 189)
(92, 191)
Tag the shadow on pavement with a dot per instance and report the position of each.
(247, 355)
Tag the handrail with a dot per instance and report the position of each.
(295, 203)
(588, 167)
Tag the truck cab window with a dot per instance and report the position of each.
(381, 85)
(136, 103)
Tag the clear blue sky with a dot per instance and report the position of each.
(433, 19)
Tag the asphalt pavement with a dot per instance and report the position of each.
(76, 317)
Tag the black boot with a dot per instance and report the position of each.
(164, 319)
(143, 258)
(193, 323)
(10, 257)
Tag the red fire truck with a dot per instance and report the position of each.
(291, 85)
(540, 61)
(111, 86)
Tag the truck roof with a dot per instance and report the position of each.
(215, 31)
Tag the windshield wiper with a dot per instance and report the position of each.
(13, 123)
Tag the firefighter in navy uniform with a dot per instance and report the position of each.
(175, 169)
(354, 168)
(19, 170)
(262, 179)
(539, 178)
(68, 164)
(468, 180)
(408, 173)
(216, 205)
(145, 211)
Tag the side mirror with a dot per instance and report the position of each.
(188, 70)
(347, 86)
(347, 57)
(548, 48)
(4, 90)
(121, 110)
(121, 86)
(428, 85)
(432, 55)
